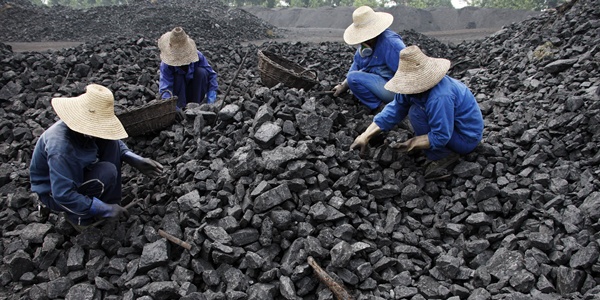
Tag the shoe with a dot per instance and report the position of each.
(439, 165)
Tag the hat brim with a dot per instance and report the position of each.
(354, 35)
(80, 119)
(420, 80)
(177, 57)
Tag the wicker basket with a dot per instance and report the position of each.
(274, 69)
(150, 117)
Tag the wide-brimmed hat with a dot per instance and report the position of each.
(92, 113)
(417, 72)
(366, 24)
(177, 48)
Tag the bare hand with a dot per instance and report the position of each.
(360, 142)
(339, 89)
(416, 143)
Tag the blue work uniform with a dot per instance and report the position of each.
(448, 113)
(191, 83)
(368, 75)
(63, 164)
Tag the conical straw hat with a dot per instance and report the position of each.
(92, 113)
(366, 25)
(417, 72)
(177, 48)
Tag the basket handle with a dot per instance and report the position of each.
(309, 70)
(278, 47)
(170, 94)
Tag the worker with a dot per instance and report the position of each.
(444, 114)
(185, 71)
(76, 163)
(375, 60)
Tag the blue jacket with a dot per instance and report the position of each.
(449, 106)
(167, 75)
(57, 166)
(385, 58)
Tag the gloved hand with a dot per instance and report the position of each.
(147, 166)
(179, 115)
(416, 143)
(105, 210)
(211, 97)
(340, 88)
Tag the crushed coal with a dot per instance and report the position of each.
(265, 181)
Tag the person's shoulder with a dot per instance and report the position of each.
(56, 137)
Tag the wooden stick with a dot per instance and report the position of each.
(174, 239)
(233, 79)
(337, 289)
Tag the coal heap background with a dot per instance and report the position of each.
(265, 181)
(205, 19)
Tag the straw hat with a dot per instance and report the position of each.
(177, 48)
(417, 72)
(92, 113)
(366, 25)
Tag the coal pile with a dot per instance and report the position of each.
(203, 20)
(265, 181)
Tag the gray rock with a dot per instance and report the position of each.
(559, 65)
(272, 198)
(154, 255)
(341, 254)
(217, 234)
(569, 280)
(505, 263)
(266, 133)
(35, 232)
(585, 257)
(162, 290)
(322, 212)
(314, 125)
(81, 291)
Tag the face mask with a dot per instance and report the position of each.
(364, 50)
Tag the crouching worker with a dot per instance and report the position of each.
(184, 70)
(443, 112)
(76, 163)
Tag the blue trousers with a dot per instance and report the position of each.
(368, 88)
(191, 90)
(101, 180)
(458, 143)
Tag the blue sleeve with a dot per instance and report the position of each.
(123, 148)
(355, 66)
(441, 121)
(212, 75)
(394, 45)
(63, 170)
(393, 113)
(166, 80)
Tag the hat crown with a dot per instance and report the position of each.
(363, 16)
(412, 58)
(178, 37)
(100, 100)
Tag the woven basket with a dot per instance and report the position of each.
(274, 69)
(150, 117)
